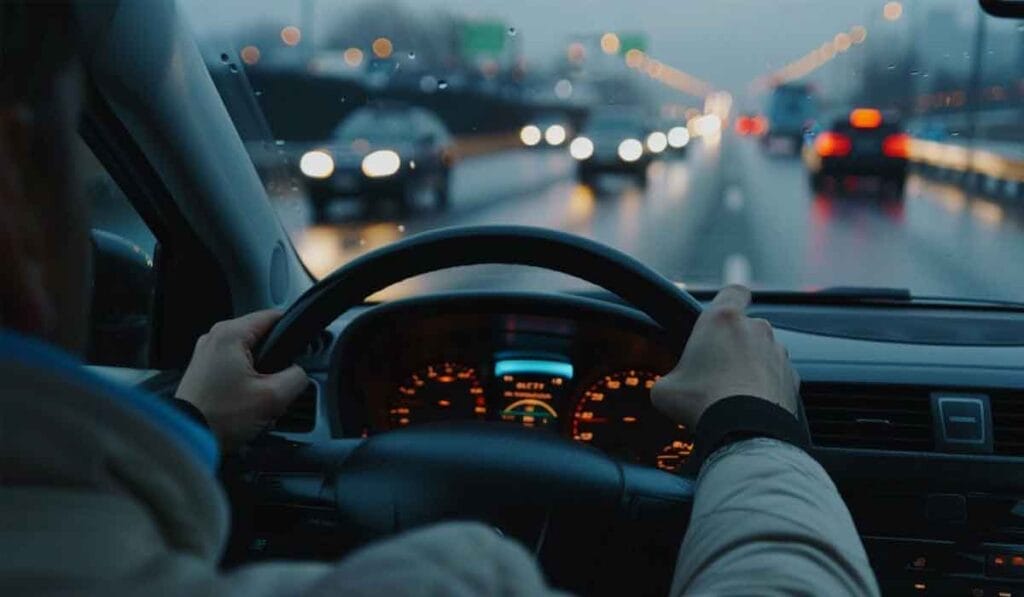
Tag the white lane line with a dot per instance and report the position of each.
(736, 270)
(734, 198)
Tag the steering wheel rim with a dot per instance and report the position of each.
(348, 286)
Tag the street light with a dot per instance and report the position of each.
(576, 52)
(353, 57)
(892, 11)
(610, 43)
(250, 55)
(291, 35)
(382, 47)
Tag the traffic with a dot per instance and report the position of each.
(794, 171)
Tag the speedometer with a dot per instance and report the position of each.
(615, 414)
(439, 392)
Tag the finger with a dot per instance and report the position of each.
(763, 327)
(252, 326)
(732, 297)
(284, 386)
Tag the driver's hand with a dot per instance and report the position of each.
(221, 381)
(728, 354)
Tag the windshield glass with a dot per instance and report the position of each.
(789, 145)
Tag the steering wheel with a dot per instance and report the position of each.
(574, 505)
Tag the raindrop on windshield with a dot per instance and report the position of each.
(512, 31)
(914, 72)
(257, 92)
(225, 58)
(442, 84)
(412, 164)
(401, 227)
(233, 68)
(362, 242)
(279, 142)
(891, 67)
(1020, 27)
(412, 55)
(954, 133)
(343, 99)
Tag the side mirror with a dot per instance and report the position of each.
(1013, 9)
(123, 290)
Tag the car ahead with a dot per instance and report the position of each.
(864, 144)
(393, 152)
(791, 111)
(614, 141)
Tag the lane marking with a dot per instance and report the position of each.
(736, 270)
(734, 198)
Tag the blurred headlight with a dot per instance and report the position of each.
(316, 164)
(581, 148)
(630, 150)
(657, 142)
(381, 163)
(530, 135)
(678, 136)
(555, 134)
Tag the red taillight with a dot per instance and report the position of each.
(832, 145)
(866, 118)
(744, 125)
(896, 146)
(758, 126)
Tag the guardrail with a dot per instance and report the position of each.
(977, 168)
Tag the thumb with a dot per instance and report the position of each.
(285, 386)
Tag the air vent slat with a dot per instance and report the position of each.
(874, 417)
(1008, 422)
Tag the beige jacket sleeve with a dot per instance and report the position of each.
(767, 520)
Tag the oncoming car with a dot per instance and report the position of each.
(615, 142)
(381, 153)
(866, 144)
(546, 130)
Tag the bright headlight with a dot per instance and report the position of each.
(316, 164)
(530, 135)
(678, 136)
(581, 148)
(630, 150)
(555, 134)
(657, 142)
(381, 163)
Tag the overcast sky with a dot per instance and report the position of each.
(726, 42)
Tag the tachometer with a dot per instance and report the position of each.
(615, 414)
(440, 392)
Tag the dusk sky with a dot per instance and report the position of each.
(726, 42)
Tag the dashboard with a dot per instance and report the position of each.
(585, 378)
(936, 516)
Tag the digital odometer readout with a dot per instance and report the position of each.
(531, 393)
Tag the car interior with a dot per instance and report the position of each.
(915, 406)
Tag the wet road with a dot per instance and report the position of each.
(725, 213)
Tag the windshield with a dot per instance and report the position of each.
(788, 145)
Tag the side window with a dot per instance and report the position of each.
(124, 282)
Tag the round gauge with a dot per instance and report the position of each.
(615, 414)
(440, 392)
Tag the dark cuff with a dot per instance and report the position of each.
(738, 418)
(191, 411)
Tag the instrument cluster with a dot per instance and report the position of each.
(585, 381)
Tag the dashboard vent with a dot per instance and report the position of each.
(869, 416)
(1008, 422)
(301, 415)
